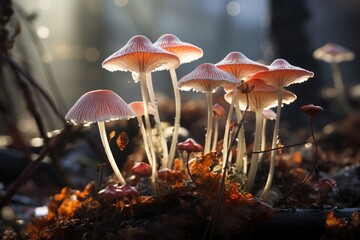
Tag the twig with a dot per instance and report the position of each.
(311, 171)
(32, 81)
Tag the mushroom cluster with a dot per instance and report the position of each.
(247, 86)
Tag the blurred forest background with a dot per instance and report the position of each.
(63, 43)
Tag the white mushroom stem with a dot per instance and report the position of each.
(263, 140)
(216, 133)
(145, 99)
(273, 145)
(241, 158)
(337, 78)
(339, 86)
(146, 144)
(256, 148)
(165, 153)
(209, 122)
(227, 126)
(175, 135)
(108, 152)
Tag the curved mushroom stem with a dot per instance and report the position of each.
(175, 135)
(216, 133)
(273, 145)
(241, 158)
(148, 130)
(256, 148)
(209, 122)
(165, 154)
(227, 125)
(108, 152)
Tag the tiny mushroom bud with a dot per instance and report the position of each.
(268, 114)
(190, 146)
(129, 191)
(218, 110)
(311, 109)
(325, 185)
(141, 169)
(110, 192)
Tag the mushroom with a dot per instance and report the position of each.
(140, 56)
(241, 67)
(186, 53)
(263, 96)
(218, 111)
(101, 106)
(190, 146)
(206, 78)
(280, 74)
(334, 54)
(141, 169)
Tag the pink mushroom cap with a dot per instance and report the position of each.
(186, 52)
(99, 105)
(206, 78)
(282, 74)
(140, 55)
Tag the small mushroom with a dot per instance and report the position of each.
(186, 53)
(141, 170)
(206, 78)
(189, 146)
(334, 54)
(311, 109)
(101, 106)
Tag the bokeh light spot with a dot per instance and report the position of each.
(121, 3)
(91, 54)
(233, 8)
(43, 32)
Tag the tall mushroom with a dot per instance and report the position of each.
(241, 67)
(280, 74)
(186, 53)
(263, 96)
(140, 56)
(206, 78)
(101, 106)
(334, 54)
